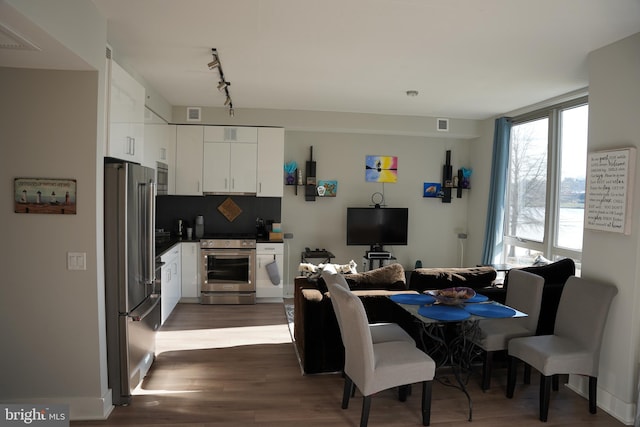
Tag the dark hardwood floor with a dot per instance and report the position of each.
(236, 366)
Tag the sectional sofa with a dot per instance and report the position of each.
(316, 331)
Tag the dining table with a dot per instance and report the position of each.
(451, 327)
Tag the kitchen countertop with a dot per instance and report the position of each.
(164, 245)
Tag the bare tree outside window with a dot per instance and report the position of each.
(544, 210)
(527, 181)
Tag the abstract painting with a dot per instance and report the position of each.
(381, 169)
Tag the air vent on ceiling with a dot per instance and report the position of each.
(194, 114)
(442, 125)
(108, 52)
(230, 134)
(9, 39)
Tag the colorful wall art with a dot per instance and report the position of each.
(327, 188)
(432, 189)
(381, 169)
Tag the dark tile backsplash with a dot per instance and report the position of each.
(171, 208)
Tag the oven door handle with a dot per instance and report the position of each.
(228, 255)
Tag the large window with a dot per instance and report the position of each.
(544, 209)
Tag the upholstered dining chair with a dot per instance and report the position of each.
(524, 294)
(375, 367)
(574, 347)
(380, 332)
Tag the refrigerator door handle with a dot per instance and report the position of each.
(147, 231)
(137, 317)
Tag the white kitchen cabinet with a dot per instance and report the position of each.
(229, 159)
(190, 272)
(270, 162)
(229, 167)
(171, 281)
(231, 134)
(126, 116)
(266, 253)
(189, 151)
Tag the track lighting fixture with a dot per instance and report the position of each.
(223, 84)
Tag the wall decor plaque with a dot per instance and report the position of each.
(45, 195)
(229, 209)
(608, 198)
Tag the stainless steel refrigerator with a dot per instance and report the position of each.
(132, 297)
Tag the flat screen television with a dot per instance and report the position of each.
(377, 227)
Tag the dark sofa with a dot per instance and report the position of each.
(316, 329)
(555, 275)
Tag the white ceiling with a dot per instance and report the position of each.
(467, 58)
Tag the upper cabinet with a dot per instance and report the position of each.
(229, 159)
(270, 162)
(189, 140)
(126, 116)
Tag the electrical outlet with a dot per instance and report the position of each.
(76, 260)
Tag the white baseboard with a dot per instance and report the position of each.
(80, 408)
(618, 409)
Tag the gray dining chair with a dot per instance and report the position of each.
(380, 332)
(524, 293)
(376, 367)
(574, 346)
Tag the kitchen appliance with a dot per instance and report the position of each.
(179, 228)
(228, 272)
(261, 229)
(199, 227)
(131, 294)
(162, 178)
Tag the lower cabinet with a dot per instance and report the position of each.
(190, 272)
(171, 281)
(266, 254)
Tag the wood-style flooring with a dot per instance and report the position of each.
(236, 366)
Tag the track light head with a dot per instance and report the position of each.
(223, 85)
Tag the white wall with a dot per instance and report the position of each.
(433, 225)
(614, 103)
(52, 319)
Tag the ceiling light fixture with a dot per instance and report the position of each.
(223, 84)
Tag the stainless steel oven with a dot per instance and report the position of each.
(228, 272)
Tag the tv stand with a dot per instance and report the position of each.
(376, 252)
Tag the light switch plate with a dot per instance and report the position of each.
(76, 260)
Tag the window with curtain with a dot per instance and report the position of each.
(544, 205)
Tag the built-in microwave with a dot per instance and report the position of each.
(162, 178)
